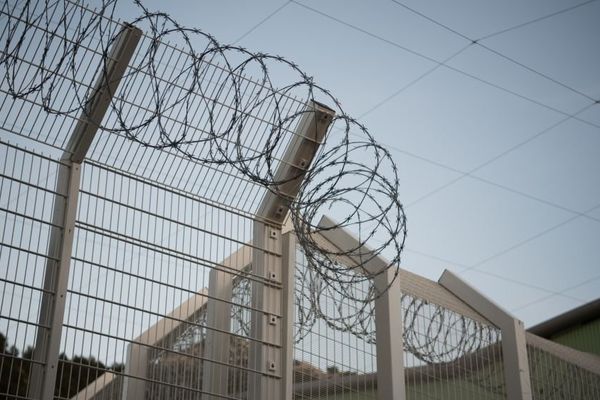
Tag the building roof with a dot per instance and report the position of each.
(577, 316)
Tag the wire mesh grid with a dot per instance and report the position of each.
(140, 251)
(28, 192)
(555, 378)
(134, 105)
(241, 321)
(175, 367)
(448, 355)
(159, 299)
(151, 223)
(221, 184)
(329, 362)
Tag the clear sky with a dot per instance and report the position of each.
(499, 166)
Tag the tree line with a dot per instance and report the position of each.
(74, 373)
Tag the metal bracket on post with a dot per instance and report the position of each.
(299, 154)
(514, 345)
(105, 88)
(270, 341)
(388, 311)
(47, 344)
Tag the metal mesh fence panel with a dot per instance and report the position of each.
(175, 365)
(170, 286)
(136, 257)
(330, 362)
(553, 377)
(448, 355)
(241, 320)
(151, 224)
(28, 192)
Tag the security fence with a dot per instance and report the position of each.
(557, 372)
(162, 235)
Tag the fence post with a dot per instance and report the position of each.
(389, 330)
(56, 275)
(288, 255)
(514, 345)
(136, 366)
(218, 321)
(55, 285)
(265, 347)
(266, 358)
(388, 312)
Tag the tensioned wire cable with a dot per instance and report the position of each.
(441, 63)
(498, 53)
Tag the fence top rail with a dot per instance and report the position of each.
(433, 292)
(587, 361)
(417, 286)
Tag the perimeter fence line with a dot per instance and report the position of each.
(163, 235)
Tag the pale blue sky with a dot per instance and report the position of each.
(516, 221)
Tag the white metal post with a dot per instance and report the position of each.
(389, 330)
(288, 279)
(218, 321)
(388, 312)
(273, 354)
(55, 280)
(266, 358)
(266, 326)
(47, 344)
(136, 366)
(514, 344)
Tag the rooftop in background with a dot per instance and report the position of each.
(578, 328)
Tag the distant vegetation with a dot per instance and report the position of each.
(73, 374)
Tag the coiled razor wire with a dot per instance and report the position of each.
(356, 176)
(431, 332)
(435, 334)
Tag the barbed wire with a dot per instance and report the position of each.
(434, 334)
(356, 177)
(343, 309)
(431, 333)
